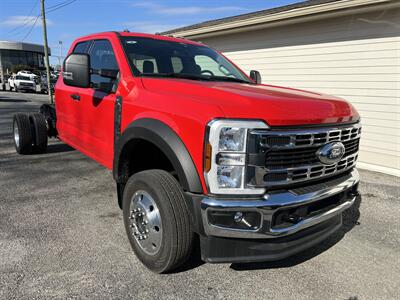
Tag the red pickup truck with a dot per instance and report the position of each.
(199, 149)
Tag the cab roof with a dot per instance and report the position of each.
(146, 35)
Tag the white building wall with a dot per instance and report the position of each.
(356, 57)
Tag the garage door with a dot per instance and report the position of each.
(356, 57)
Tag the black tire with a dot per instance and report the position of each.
(23, 144)
(39, 125)
(177, 231)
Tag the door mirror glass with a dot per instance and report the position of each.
(76, 70)
(255, 75)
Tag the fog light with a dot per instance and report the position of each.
(247, 220)
(238, 217)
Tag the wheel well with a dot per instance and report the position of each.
(139, 155)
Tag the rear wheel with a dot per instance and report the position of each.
(157, 220)
(39, 125)
(22, 134)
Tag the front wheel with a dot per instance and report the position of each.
(157, 220)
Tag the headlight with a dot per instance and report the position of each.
(232, 139)
(225, 156)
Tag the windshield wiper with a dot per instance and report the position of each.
(224, 78)
(176, 75)
(196, 77)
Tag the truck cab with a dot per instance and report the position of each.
(199, 149)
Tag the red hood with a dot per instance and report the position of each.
(278, 106)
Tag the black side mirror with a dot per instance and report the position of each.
(255, 75)
(76, 70)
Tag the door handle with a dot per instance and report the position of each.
(75, 97)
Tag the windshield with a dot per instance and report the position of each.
(19, 77)
(159, 58)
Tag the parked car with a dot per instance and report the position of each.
(21, 83)
(199, 149)
(29, 74)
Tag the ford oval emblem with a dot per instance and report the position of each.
(331, 153)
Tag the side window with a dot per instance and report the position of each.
(102, 57)
(81, 47)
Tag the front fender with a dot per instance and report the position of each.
(165, 138)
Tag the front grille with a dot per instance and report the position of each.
(284, 157)
(26, 84)
(295, 157)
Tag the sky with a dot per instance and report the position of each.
(69, 19)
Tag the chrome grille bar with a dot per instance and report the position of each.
(290, 155)
(309, 137)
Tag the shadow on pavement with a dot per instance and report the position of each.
(9, 99)
(194, 260)
(350, 219)
(13, 100)
(58, 148)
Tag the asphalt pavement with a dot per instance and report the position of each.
(62, 236)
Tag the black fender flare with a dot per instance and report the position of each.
(165, 138)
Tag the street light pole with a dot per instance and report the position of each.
(46, 53)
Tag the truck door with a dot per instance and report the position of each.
(69, 107)
(85, 116)
(97, 104)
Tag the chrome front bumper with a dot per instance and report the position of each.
(271, 203)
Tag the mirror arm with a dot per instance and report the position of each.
(112, 74)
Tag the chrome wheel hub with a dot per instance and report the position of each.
(16, 135)
(145, 222)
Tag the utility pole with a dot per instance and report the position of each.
(60, 57)
(46, 54)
